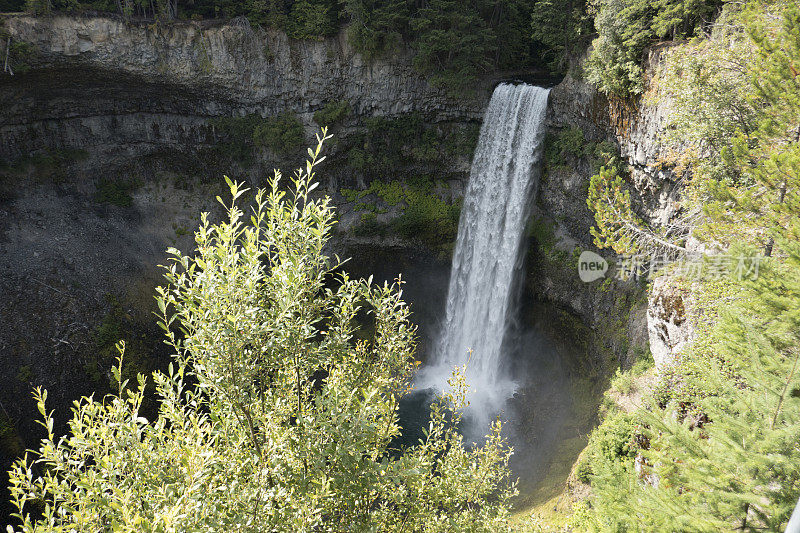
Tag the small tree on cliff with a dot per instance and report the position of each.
(273, 417)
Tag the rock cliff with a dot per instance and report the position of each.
(110, 150)
(619, 311)
(160, 82)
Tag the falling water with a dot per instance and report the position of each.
(487, 257)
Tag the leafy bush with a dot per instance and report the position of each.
(115, 192)
(282, 134)
(614, 438)
(369, 226)
(21, 55)
(623, 382)
(569, 141)
(583, 471)
(611, 445)
(565, 147)
(273, 416)
(424, 216)
(237, 133)
(389, 144)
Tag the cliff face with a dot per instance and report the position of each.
(161, 82)
(263, 69)
(109, 151)
(619, 311)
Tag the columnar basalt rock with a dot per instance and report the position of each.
(635, 127)
(232, 61)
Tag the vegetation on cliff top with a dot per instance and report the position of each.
(625, 28)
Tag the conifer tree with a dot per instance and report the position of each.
(376, 26)
(561, 27)
(454, 43)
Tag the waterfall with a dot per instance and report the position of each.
(487, 257)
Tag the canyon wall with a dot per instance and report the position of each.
(110, 150)
(620, 312)
(104, 80)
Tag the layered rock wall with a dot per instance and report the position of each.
(619, 311)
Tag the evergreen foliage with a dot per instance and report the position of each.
(10, 6)
(560, 30)
(454, 43)
(626, 28)
(618, 226)
(267, 13)
(333, 113)
(376, 27)
(610, 201)
(309, 19)
(276, 413)
(718, 449)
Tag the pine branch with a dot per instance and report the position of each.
(782, 396)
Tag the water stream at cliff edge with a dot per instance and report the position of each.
(482, 294)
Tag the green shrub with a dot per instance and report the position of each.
(357, 159)
(21, 55)
(424, 216)
(541, 231)
(611, 447)
(273, 416)
(116, 192)
(389, 144)
(369, 226)
(114, 326)
(583, 469)
(567, 143)
(281, 134)
(623, 382)
(333, 113)
(237, 133)
(613, 440)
